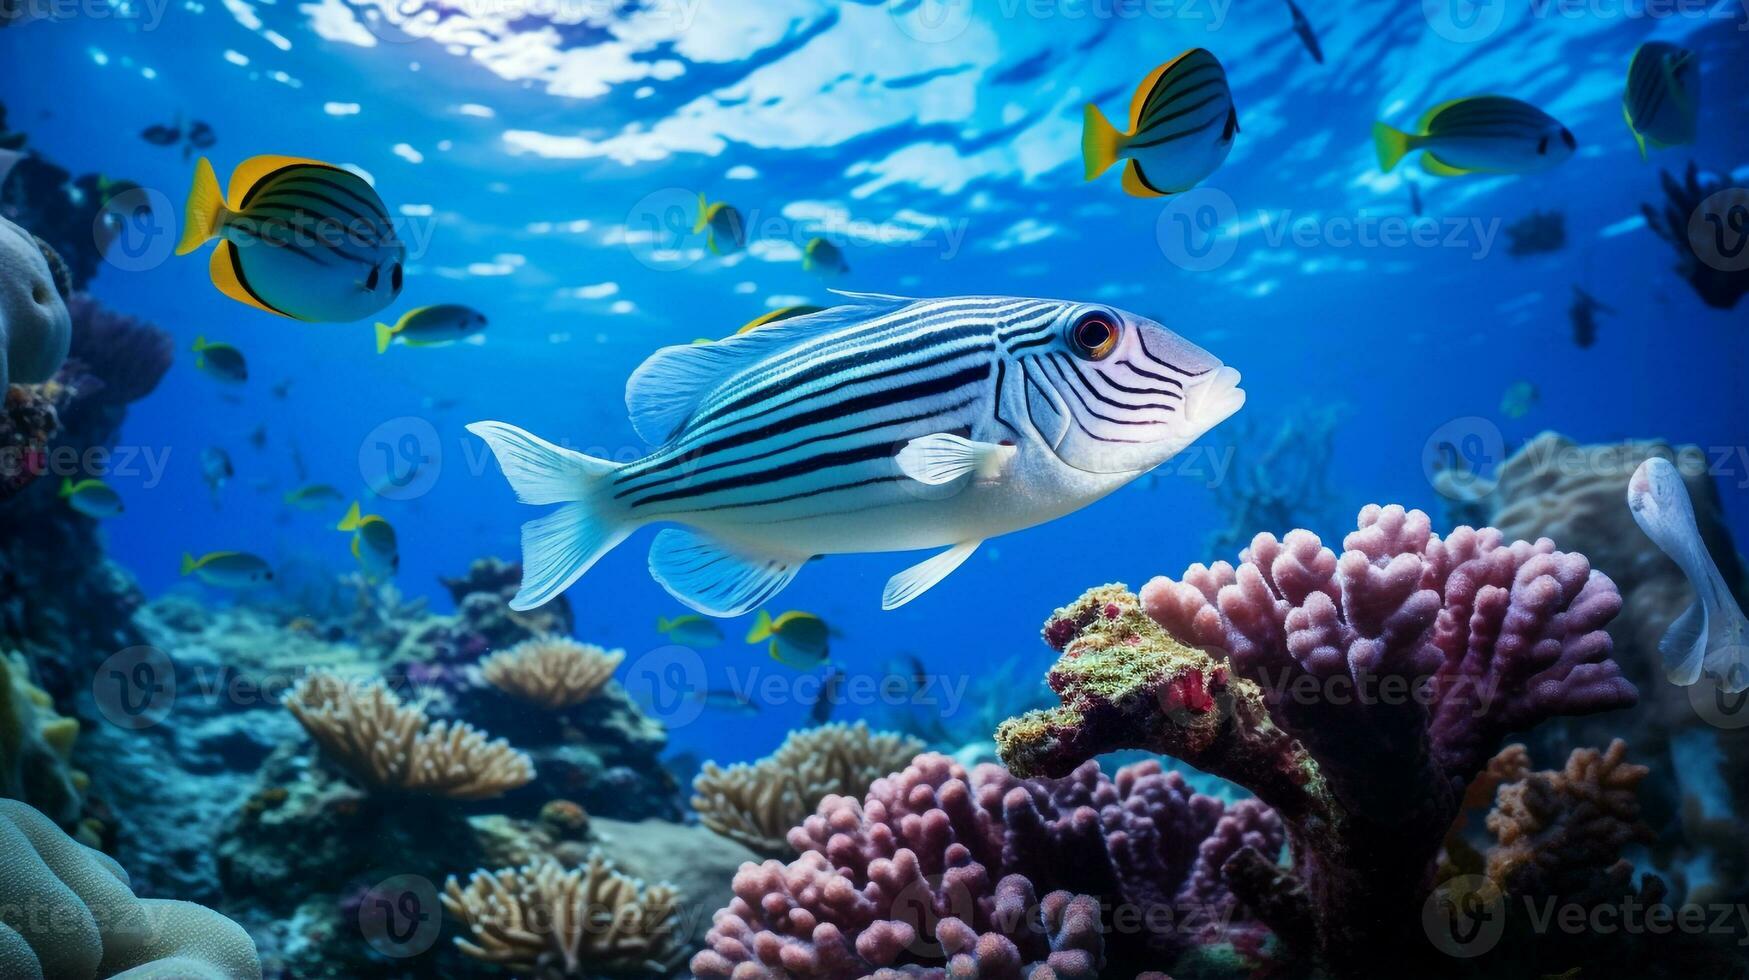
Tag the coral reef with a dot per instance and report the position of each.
(72, 913)
(1695, 217)
(940, 871)
(547, 922)
(395, 747)
(552, 672)
(34, 326)
(757, 803)
(114, 361)
(1356, 695)
(28, 421)
(1279, 480)
(36, 747)
(64, 212)
(1554, 827)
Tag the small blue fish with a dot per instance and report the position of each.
(91, 497)
(796, 639)
(726, 230)
(374, 543)
(821, 256)
(690, 630)
(298, 238)
(1662, 100)
(1484, 134)
(316, 496)
(222, 362)
(228, 569)
(433, 326)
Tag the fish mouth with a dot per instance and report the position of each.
(1214, 399)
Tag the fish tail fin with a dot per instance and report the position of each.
(1391, 143)
(188, 563)
(354, 517)
(199, 343)
(205, 210)
(663, 624)
(1100, 141)
(761, 630)
(704, 209)
(385, 336)
(558, 548)
(66, 486)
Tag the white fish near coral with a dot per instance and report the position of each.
(1711, 637)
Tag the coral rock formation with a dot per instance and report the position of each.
(36, 747)
(1702, 249)
(34, 326)
(552, 672)
(392, 746)
(938, 871)
(1555, 827)
(1358, 695)
(551, 923)
(757, 803)
(70, 912)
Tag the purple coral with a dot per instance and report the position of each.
(115, 360)
(938, 869)
(1356, 695)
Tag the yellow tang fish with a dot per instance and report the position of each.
(300, 238)
(1484, 134)
(797, 639)
(1182, 124)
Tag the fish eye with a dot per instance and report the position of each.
(1094, 335)
(395, 278)
(370, 281)
(1567, 138)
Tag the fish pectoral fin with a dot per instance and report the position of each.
(944, 457)
(921, 577)
(708, 576)
(1683, 645)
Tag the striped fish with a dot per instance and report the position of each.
(298, 238)
(1182, 124)
(887, 424)
(1662, 99)
(1491, 134)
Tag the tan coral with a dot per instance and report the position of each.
(1556, 828)
(390, 746)
(553, 672)
(758, 803)
(551, 923)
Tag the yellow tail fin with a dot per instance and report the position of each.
(761, 628)
(205, 210)
(66, 486)
(188, 563)
(704, 210)
(1391, 144)
(352, 519)
(385, 337)
(1100, 141)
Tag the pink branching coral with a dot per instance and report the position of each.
(941, 872)
(1358, 695)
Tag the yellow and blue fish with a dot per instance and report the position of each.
(1662, 98)
(315, 496)
(886, 424)
(228, 569)
(433, 326)
(1182, 126)
(1483, 134)
(374, 542)
(91, 497)
(299, 238)
(691, 630)
(221, 362)
(821, 256)
(726, 230)
(796, 639)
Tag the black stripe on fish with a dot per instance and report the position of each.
(1153, 115)
(358, 220)
(243, 280)
(369, 201)
(1062, 361)
(1076, 390)
(1178, 135)
(1076, 418)
(1142, 342)
(804, 494)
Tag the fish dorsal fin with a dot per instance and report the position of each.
(668, 387)
(1145, 91)
(852, 294)
(225, 276)
(250, 172)
(714, 580)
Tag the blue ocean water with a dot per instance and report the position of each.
(544, 162)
